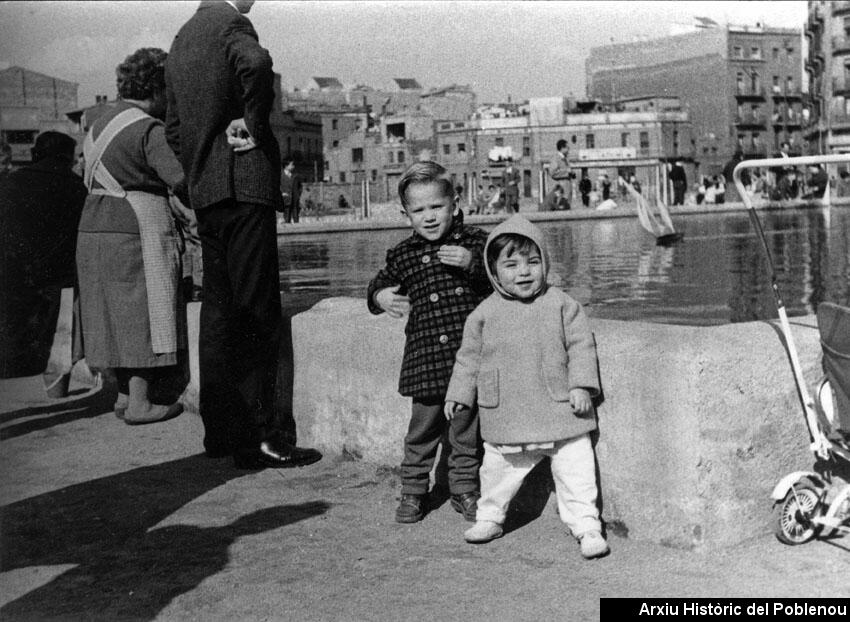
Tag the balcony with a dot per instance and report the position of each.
(749, 93)
(750, 120)
(790, 118)
(778, 92)
(840, 45)
(840, 8)
(753, 150)
(840, 121)
(840, 86)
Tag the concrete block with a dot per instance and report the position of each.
(696, 426)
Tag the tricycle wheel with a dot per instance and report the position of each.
(795, 514)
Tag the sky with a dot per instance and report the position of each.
(521, 49)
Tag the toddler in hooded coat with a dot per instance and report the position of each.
(529, 360)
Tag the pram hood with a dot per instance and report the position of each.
(834, 328)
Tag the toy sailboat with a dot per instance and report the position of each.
(661, 226)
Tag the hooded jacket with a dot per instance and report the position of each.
(521, 358)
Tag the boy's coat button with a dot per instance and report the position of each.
(426, 259)
(456, 236)
(434, 297)
(444, 339)
(459, 291)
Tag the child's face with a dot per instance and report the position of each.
(520, 273)
(429, 210)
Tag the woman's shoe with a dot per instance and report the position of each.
(121, 405)
(57, 388)
(154, 414)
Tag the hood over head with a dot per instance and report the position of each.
(518, 225)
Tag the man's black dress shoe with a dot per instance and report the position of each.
(275, 455)
(466, 504)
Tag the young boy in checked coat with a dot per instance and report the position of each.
(437, 275)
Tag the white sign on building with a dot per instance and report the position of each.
(607, 153)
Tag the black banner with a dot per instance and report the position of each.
(717, 609)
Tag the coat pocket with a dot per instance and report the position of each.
(488, 388)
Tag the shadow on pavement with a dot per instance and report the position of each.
(123, 569)
(91, 405)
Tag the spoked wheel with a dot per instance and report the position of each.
(795, 514)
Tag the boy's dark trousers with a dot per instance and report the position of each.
(427, 426)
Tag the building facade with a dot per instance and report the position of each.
(828, 67)
(31, 103)
(740, 84)
(639, 141)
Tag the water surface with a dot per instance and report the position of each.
(717, 275)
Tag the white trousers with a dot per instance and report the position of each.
(574, 472)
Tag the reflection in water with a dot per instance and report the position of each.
(717, 275)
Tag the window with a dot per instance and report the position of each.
(775, 53)
(624, 139)
(789, 84)
(574, 139)
(790, 51)
(755, 53)
(739, 83)
(755, 84)
(461, 147)
(737, 52)
(390, 156)
(644, 140)
(334, 124)
(341, 177)
(357, 155)
(526, 145)
(20, 136)
(500, 142)
(847, 25)
(446, 148)
(741, 140)
(401, 157)
(756, 141)
(589, 141)
(776, 86)
(374, 174)
(335, 144)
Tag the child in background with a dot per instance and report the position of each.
(438, 276)
(529, 360)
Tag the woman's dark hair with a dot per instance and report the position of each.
(141, 74)
(514, 242)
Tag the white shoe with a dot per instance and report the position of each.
(483, 531)
(593, 545)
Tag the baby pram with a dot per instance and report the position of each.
(814, 503)
(809, 503)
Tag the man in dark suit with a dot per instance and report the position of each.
(510, 182)
(290, 190)
(219, 83)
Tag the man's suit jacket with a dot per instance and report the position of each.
(217, 71)
(510, 182)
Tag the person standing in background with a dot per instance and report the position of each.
(562, 173)
(220, 88)
(680, 182)
(40, 207)
(290, 191)
(510, 182)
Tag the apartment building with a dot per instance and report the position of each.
(741, 86)
(31, 103)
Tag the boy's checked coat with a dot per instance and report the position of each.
(441, 297)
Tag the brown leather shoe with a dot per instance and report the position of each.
(466, 503)
(411, 508)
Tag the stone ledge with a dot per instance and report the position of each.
(696, 427)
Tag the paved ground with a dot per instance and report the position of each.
(103, 521)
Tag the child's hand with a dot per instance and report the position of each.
(451, 408)
(454, 256)
(396, 305)
(580, 401)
